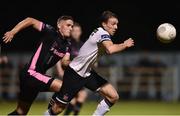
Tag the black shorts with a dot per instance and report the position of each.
(73, 83)
(32, 84)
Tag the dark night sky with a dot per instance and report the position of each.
(138, 20)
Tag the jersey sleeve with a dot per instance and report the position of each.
(47, 28)
(104, 37)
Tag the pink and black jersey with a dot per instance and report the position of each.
(51, 49)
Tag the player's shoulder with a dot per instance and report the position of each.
(102, 31)
(48, 27)
(103, 34)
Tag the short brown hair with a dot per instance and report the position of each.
(64, 17)
(107, 15)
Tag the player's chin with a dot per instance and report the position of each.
(67, 35)
(112, 33)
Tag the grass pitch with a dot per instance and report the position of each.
(121, 108)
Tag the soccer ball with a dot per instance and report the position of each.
(166, 32)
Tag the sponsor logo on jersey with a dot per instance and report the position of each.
(56, 52)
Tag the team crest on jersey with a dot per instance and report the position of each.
(55, 44)
(67, 48)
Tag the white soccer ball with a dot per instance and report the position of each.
(166, 32)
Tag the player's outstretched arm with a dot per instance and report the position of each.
(113, 48)
(8, 36)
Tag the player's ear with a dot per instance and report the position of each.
(59, 25)
(103, 24)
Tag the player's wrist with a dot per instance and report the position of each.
(125, 45)
(13, 32)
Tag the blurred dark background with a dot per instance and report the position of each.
(137, 19)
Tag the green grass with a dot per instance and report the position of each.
(121, 108)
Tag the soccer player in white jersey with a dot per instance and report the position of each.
(80, 71)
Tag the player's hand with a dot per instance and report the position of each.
(8, 36)
(129, 42)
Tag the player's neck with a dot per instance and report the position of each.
(60, 34)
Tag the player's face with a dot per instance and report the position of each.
(65, 27)
(111, 25)
(76, 33)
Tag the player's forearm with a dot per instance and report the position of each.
(59, 69)
(22, 25)
(116, 48)
(8, 36)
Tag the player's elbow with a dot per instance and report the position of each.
(33, 22)
(109, 51)
(29, 19)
